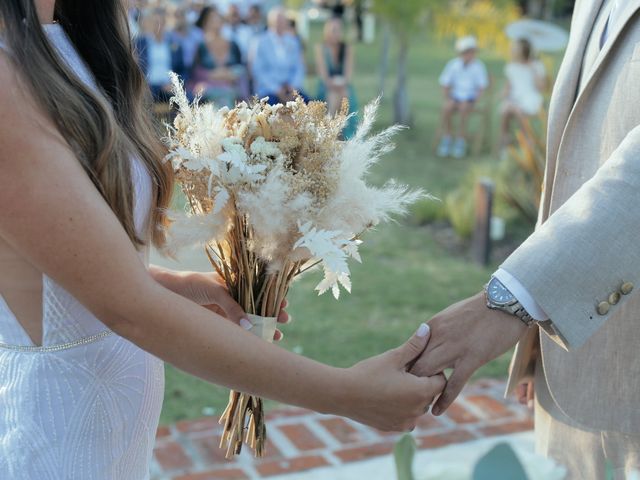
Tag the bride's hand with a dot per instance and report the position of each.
(210, 291)
(384, 395)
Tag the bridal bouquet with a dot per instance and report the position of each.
(272, 191)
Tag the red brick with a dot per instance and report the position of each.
(171, 456)
(209, 449)
(341, 430)
(390, 436)
(287, 413)
(429, 422)
(199, 425)
(271, 451)
(491, 407)
(486, 383)
(220, 474)
(298, 464)
(459, 414)
(506, 428)
(442, 439)
(361, 453)
(163, 431)
(302, 437)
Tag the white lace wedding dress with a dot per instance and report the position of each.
(85, 405)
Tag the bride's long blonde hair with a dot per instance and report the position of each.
(104, 130)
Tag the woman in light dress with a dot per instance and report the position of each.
(526, 82)
(85, 322)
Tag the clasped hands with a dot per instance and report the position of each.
(400, 385)
(464, 337)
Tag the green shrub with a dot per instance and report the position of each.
(521, 171)
(428, 211)
(461, 212)
(460, 203)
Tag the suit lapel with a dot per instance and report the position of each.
(565, 91)
(629, 8)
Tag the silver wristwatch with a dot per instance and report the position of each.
(500, 298)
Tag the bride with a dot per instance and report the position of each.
(85, 324)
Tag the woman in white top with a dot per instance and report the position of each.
(85, 323)
(526, 80)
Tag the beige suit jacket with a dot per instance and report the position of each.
(587, 244)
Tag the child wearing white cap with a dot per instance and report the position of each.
(464, 79)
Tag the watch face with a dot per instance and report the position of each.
(498, 294)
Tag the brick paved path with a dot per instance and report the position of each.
(301, 440)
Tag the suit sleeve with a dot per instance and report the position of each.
(587, 250)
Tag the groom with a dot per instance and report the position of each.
(569, 295)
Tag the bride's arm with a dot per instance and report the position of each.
(52, 214)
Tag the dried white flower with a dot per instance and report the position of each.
(283, 170)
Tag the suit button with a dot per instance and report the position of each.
(626, 288)
(614, 298)
(603, 308)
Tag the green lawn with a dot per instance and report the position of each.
(406, 276)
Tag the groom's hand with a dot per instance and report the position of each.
(464, 337)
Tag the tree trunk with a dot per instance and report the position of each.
(401, 105)
(359, 12)
(549, 10)
(384, 59)
(535, 8)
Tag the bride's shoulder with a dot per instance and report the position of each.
(25, 125)
(10, 81)
(18, 105)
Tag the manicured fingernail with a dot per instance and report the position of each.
(530, 404)
(423, 330)
(246, 324)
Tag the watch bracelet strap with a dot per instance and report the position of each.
(523, 315)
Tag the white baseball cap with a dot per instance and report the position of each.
(466, 43)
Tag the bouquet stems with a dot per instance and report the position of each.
(243, 418)
(261, 295)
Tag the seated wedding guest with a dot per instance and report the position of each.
(133, 17)
(218, 73)
(193, 10)
(292, 29)
(237, 31)
(334, 63)
(464, 79)
(255, 19)
(222, 6)
(188, 36)
(526, 80)
(158, 54)
(278, 65)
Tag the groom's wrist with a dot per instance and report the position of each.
(499, 297)
(522, 294)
